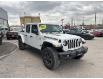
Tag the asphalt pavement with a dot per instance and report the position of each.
(28, 63)
(6, 48)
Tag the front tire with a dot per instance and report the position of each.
(21, 44)
(50, 58)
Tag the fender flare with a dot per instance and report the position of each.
(22, 37)
(46, 44)
(50, 43)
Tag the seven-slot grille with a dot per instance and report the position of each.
(73, 43)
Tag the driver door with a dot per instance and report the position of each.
(34, 36)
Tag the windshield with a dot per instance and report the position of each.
(17, 29)
(49, 28)
(79, 30)
(76, 30)
(85, 31)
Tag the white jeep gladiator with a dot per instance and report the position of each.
(49, 38)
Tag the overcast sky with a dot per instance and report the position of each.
(54, 11)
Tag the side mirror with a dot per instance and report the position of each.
(23, 30)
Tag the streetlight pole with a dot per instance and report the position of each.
(39, 14)
(72, 21)
(95, 19)
(62, 20)
(102, 21)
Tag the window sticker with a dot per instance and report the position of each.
(42, 27)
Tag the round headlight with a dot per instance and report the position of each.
(83, 41)
(65, 43)
(59, 41)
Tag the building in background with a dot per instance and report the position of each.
(3, 20)
(30, 19)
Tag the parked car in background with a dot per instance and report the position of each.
(79, 32)
(1, 36)
(4, 30)
(13, 32)
(97, 32)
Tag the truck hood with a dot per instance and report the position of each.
(61, 36)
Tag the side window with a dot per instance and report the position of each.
(34, 29)
(28, 28)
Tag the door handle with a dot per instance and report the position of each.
(25, 35)
(31, 36)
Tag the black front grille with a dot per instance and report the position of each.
(73, 43)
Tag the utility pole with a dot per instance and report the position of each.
(102, 21)
(24, 13)
(83, 21)
(24, 19)
(72, 21)
(95, 19)
(62, 20)
(39, 14)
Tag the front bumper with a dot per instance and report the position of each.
(73, 53)
(12, 36)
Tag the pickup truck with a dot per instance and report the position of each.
(13, 32)
(53, 43)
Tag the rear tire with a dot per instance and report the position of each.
(21, 44)
(50, 58)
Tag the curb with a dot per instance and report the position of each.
(9, 53)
